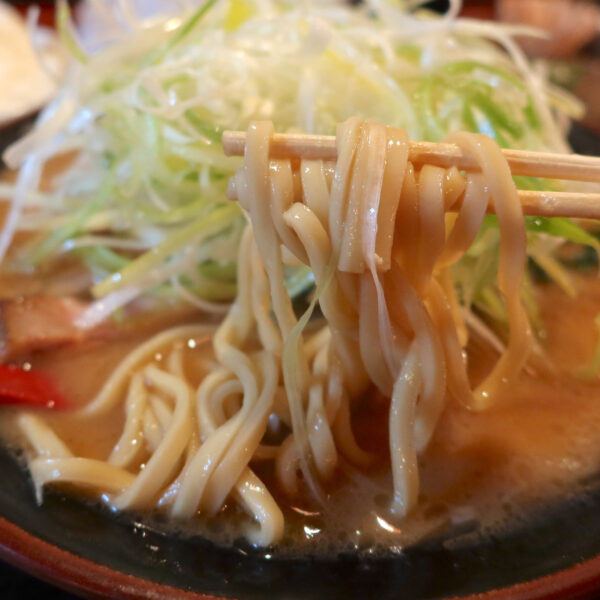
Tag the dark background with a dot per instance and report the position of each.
(16, 585)
(47, 6)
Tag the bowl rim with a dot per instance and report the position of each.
(93, 580)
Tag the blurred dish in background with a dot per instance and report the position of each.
(570, 24)
(32, 64)
(571, 50)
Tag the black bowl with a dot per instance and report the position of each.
(90, 551)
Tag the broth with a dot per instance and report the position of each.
(480, 472)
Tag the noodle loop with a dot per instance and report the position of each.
(381, 241)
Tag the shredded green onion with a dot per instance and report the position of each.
(145, 115)
(64, 26)
(197, 231)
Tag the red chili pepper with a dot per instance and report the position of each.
(28, 388)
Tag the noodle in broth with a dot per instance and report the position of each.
(380, 236)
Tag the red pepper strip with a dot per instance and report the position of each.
(28, 388)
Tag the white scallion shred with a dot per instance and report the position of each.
(146, 101)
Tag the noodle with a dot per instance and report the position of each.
(380, 237)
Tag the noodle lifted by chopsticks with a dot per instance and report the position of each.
(381, 241)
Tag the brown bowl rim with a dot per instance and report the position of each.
(93, 580)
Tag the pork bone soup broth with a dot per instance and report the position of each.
(351, 353)
(484, 471)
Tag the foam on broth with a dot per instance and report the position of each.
(481, 471)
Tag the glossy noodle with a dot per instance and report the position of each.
(380, 237)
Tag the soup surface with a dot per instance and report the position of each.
(481, 471)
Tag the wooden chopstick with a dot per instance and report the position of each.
(521, 162)
(573, 205)
(534, 203)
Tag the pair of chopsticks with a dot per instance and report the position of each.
(522, 162)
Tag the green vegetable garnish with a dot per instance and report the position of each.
(145, 114)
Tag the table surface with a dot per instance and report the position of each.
(16, 585)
